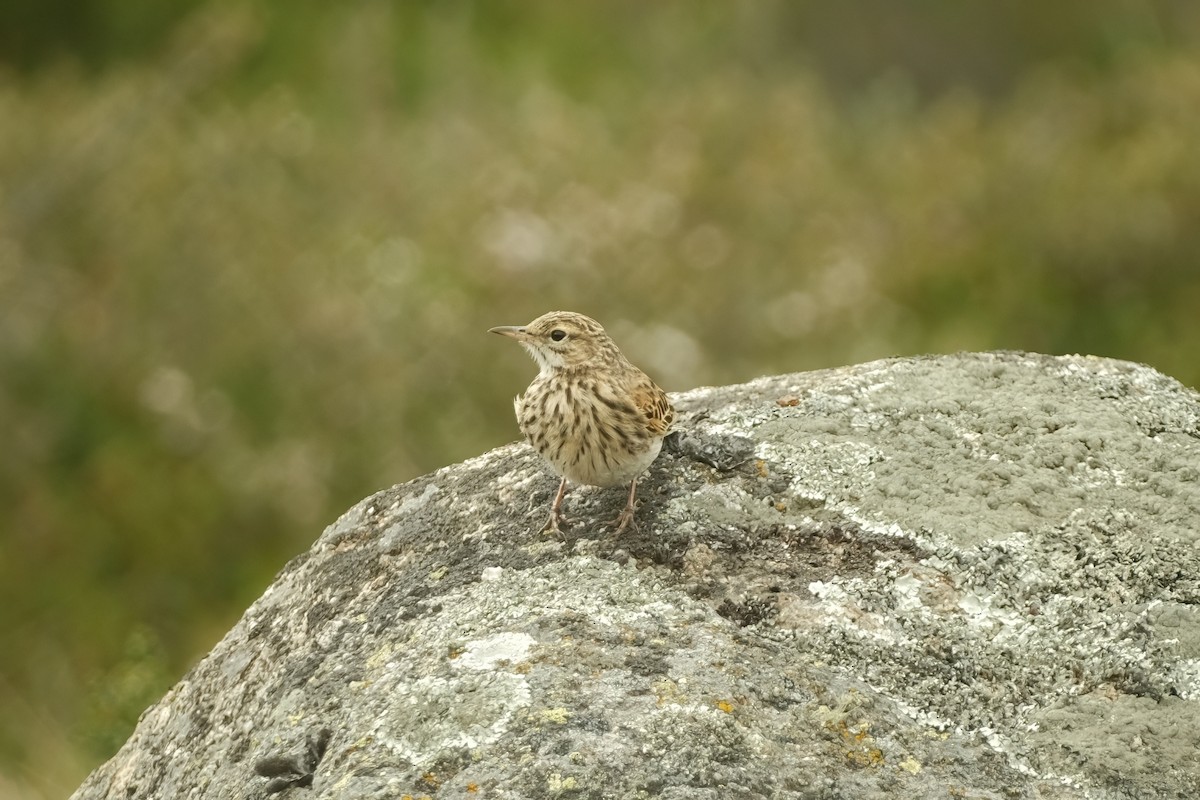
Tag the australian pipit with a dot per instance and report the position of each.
(596, 418)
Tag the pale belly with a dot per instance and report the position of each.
(595, 470)
(585, 439)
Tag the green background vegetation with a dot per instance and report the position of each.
(249, 252)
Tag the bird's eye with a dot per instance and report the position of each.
(558, 335)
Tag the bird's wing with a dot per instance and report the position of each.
(653, 404)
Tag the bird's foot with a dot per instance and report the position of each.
(555, 524)
(625, 520)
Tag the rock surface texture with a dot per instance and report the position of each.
(971, 576)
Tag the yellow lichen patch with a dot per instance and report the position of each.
(667, 691)
(725, 706)
(558, 715)
(862, 752)
(761, 466)
(380, 657)
(833, 717)
(865, 757)
(557, 783)
(910, 765)
(359, 743)
(857, 734)
(430, 781)
(472, 787)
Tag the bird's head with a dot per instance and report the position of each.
(563, 340)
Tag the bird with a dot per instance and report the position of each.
(591, 414)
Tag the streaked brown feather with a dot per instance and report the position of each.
(595, 417)
(652, 402)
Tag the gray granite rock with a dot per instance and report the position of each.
(964, 576)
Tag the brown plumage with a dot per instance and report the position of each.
(596, 418)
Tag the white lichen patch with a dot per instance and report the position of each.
(980, 612)
(906, 590)
(721, 502)
(491, 651)
(1186, 676)
(432, 716)
(410, 504)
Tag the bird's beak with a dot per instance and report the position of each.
(512, 331)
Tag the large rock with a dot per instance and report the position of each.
(966, 576)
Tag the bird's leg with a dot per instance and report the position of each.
(556, 515)
(626, 519)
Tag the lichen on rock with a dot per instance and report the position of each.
(970, 575)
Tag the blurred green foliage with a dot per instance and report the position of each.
(249, 251)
